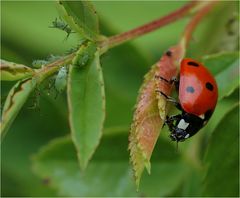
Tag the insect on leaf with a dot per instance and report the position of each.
(81, 17)
(11, 71)
(85, 54)
(86, 103)
(61, 80)
(151, 110)
(14, 102)
(39, 63)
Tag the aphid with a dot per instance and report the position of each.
(198, 94)
(61, 80)
(39, 63)
(85, 54)
(61, 25)
(52, 58)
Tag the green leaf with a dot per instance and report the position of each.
(81, 16)
(191, 186)
(221, 160)
(14, 102)
(216, 63)
(86, 103)
(225, 68)
(11, 71)
(109, 173)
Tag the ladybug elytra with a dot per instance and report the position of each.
(197, 97)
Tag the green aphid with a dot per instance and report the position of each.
(52, 58)
(61, 80)
(39, 63)
(61, 25)
(85, 54)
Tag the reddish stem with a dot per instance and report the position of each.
(187, 34)
(149, 27)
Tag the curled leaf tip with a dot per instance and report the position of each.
(14, 102)
(12, 71)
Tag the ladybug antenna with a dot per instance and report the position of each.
(176, 146)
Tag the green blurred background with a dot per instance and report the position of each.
(25, 36)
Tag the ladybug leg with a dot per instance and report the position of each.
(170, 99)
(174, 118)
(174, 81)
(170, 121)
(161, 78)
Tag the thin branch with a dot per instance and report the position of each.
(149, 27)
(124, 37)
(51, 68)
(187, 34)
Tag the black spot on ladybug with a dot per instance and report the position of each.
(169, 53)
(209, 86)
(193, 64)
(190, 89)
(208, 114)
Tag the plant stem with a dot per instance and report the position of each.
(149, 27)
(51, 68)
(187, 34)
(144, 29)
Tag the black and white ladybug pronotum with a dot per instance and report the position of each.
(198, 94)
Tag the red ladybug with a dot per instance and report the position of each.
(198, 95)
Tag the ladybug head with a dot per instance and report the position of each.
(179, 135)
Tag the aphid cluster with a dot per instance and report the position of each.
(41, 63)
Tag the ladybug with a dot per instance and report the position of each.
(197, 96)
